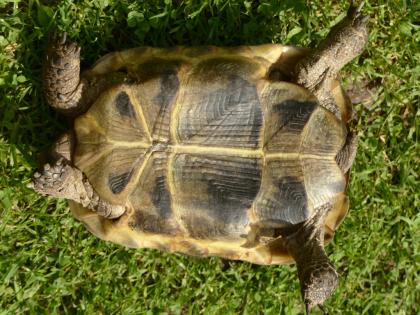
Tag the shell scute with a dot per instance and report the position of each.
(282, 199)
(323, 180)
(151, 199)
(113, 172)
(287, 109)
(224, 111)
(324, 135)
(155, 91)
(104, 120)
(212, 194)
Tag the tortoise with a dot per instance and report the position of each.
(238, 152)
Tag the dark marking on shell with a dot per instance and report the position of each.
(232, 189)
(203, 228)
(169, 85)
(123, 104)
(294, 114)
(287, 121)
(161, 73)
(293, 198)
(276, 74)
(216, 68)
(117, 182)
(154, 224)
(161, 198)
(158, 67)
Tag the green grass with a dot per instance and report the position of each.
(50, 264)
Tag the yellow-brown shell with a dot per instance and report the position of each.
(211, 150)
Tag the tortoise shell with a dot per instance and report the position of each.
(213, 151)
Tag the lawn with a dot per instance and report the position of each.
(50, 264)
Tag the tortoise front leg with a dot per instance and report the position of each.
(345, 42)
(64, 181)
(61, 180)
(317, 275)
(62, 84)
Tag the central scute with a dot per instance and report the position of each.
(225, 112)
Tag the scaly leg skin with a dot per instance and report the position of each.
(62, 84)
(345, 42)
(317, 275)
(62, 180)
(66, 90)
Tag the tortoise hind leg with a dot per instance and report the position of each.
(317, 275)
(62, 85)
(345, 42)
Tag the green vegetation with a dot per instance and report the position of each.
(50, 264)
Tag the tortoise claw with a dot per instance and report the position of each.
(354, 13)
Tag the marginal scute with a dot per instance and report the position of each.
(336, 215)
(155, 67)
(215, 68)
(193, 249)
(143, 221)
